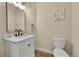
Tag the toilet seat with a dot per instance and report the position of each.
(60, 53)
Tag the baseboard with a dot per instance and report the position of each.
(44, 50)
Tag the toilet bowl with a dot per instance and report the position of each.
(60, 53)
(59, 43)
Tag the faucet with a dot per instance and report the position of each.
(16, 31)
(19, 32)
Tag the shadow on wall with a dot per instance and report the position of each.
(68, 47)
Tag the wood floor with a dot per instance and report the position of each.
(42, 54)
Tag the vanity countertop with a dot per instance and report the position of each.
(19, 38)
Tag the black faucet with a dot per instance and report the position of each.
(18, 31)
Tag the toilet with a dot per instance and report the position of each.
(59, 43)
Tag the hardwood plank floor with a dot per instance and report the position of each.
(42, 54)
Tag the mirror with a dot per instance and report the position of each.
(15, 18)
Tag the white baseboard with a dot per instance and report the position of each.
(44, 50)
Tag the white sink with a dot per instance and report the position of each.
(19, 38)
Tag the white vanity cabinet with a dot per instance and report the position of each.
(22, 47)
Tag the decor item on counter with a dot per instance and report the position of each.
(33, 28)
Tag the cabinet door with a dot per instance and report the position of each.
(12, 49)
(27, 48)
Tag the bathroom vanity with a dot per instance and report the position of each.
(21, 46)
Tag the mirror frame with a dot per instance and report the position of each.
(6, 4)
(6, 17)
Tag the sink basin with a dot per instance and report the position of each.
(19, 38)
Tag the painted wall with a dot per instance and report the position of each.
(2, 28)
(47, 27)
(75, 29)
(30, 17)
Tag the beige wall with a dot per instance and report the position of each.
(75, 28)
(2, 28)
(47, 27)
(30, 16)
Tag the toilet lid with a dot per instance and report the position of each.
(60, 53)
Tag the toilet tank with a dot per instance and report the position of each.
(59, 42)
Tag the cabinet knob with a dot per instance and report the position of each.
(29, 44)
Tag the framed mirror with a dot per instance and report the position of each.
(15, 18)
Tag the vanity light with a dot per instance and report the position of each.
(18, 4)
(22, 7)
